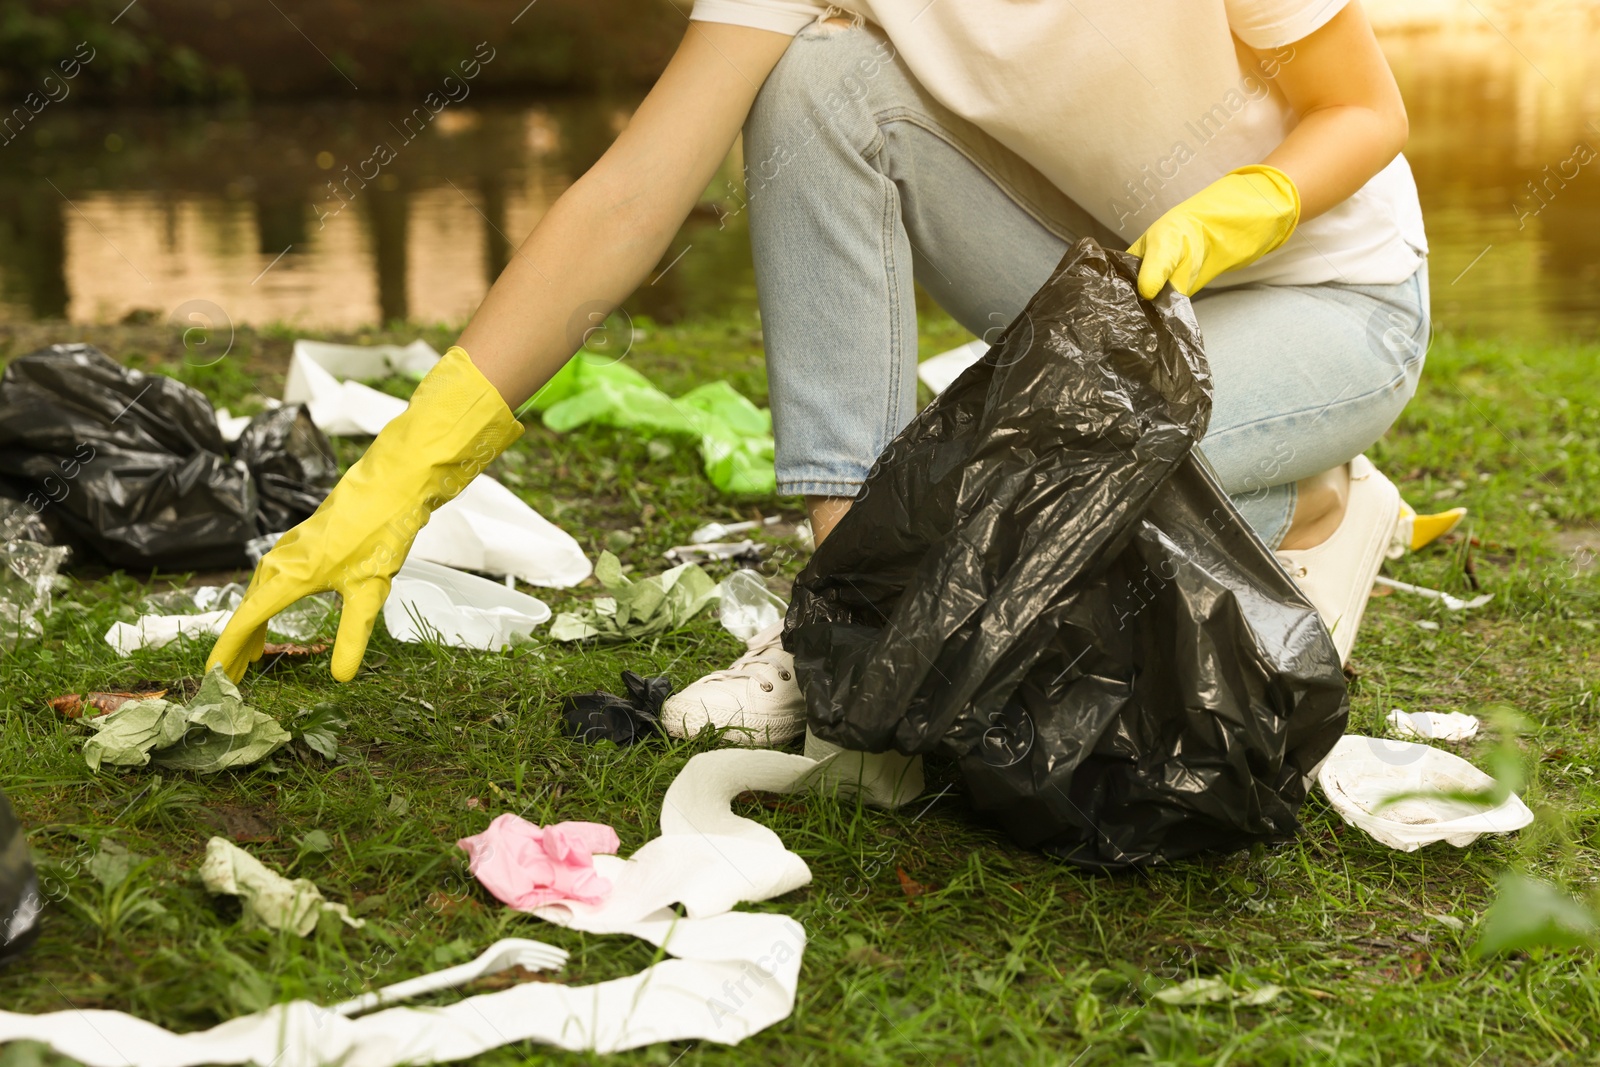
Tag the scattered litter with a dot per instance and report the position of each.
(600, 716)
(735, 436)
(1427, 624)
(1434, 725)
(637, 607)
(27, 578)
(527, 866)
(747, 606)
(216, 731)
(488, 528)
(938, 372)
(503, 955)
(134, 466)
(1362, 773)
(74, 705)
(1006, 579)
(1212, 990)
(204, 611)
(716, 531)
(322, 375)
(1451, 603)
(714, 552)
(231, 425)
(428, 601)
(707, 859)
(269, 899)
(20, 900)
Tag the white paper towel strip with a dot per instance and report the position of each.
(735, 973)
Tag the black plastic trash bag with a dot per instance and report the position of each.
(1042, 578)
(133, 466)
(20, 900)
(599, 716)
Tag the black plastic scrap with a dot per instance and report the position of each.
(133, 466)
(20, 900)
(1041, 577)
(595, 717)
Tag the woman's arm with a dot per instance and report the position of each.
(1352, 120)
(600, 239)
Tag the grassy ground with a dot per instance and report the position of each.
(932, 939)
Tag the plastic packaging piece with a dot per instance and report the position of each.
(938, 372)
(216, 731)
(21, 904)
(27, 578)
(707, 859)
(637, 607)
(1434, 725)
(292, 462)
(157, 631)
(269, 899)
(19, 522)
(526, 866)
(320, 376)
(431, 602)
(1041, 578)
(489, 528)
(231, 425)
(1362, 773)
(716, 531)
(747, 606)
(134, 466)
(1451, 603)
(735, 436)
(600, 716)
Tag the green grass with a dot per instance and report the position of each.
(1004, 956)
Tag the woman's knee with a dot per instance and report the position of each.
(823, 82)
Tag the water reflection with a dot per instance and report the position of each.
(292, 214)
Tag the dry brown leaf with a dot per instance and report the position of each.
(72, 705)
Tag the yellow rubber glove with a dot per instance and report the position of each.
(1234, 221)
(355, 542)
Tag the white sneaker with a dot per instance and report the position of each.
(756, 702)
(1337, 575)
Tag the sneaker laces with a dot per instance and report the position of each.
(746, 666)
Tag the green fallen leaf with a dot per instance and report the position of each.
(1212, 990)
(1528, 914)
(269, 898)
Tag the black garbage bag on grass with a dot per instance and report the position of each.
(1041, 577)
(134, 467)
(20, 900)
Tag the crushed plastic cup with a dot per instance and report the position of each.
(716, 531)
(748, 606)
(1362, 774)
(429, 601)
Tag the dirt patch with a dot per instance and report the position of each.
(1581, 547)
(240, 824)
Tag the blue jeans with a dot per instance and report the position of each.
(860, 182)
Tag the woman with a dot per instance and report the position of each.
(1249, 148)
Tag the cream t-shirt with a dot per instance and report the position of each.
(1131, 107)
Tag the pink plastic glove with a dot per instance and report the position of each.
(528, 866)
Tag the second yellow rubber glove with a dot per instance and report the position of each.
(355, 542)
(1235, 220)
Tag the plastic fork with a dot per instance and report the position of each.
(506, 953)
(1451, 603)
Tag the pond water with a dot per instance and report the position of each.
(282, 213)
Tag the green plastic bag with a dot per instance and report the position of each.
(735, 436)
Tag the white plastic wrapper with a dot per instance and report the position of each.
(748, 606)
(27, 577)
(1434, 725)
(432, 602)
(1361, 773)
(937, 372)
(320, 376)
(489, 528)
